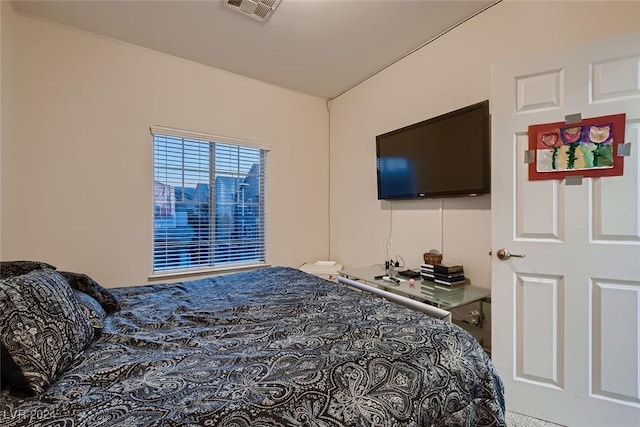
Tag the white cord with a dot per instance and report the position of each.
(441, 228)
(388, 247)
(329, 173)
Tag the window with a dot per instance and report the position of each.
(209, 204)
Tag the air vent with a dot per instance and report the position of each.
(260, 10)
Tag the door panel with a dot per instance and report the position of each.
(540, 329)
(539, 91)
(615, 370)
(566, 319)
(615, 79)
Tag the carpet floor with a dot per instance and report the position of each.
(519, 420)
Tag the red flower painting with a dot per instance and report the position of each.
(588, 148)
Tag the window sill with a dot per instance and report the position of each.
(195, 273)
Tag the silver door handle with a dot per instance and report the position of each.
(504, 254)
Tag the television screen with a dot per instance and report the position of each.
(448, 155)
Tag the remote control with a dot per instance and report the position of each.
(391, 279)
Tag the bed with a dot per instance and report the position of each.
(270, 347)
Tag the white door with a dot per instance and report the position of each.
(566, 318)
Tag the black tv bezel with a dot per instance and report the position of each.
(486, 156)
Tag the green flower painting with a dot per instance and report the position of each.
(588, 148)
(575, 148)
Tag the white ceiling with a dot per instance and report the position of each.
(319, 47)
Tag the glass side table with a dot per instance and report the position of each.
(427, 292)
(424, 290)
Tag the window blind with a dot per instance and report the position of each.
(209, 203)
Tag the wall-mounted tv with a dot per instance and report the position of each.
(447, 155)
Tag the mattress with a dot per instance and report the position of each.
(270, 347)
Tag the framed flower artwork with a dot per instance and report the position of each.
(588, 148)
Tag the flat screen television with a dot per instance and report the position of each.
(447, 155)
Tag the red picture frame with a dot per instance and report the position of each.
(588, 148)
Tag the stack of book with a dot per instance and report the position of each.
(443, 283)
(427, 271)
(446, 276)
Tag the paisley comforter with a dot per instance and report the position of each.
(272, 347)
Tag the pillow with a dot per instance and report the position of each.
(86, 284)
(92, 309)
(42, 329)
(18, 268)
(9, 372)
(6, 365)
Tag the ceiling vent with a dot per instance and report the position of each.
(260, 10)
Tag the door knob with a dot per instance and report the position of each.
(504, 254)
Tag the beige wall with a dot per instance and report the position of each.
(452, 72)
(77, 153)
(76, 169)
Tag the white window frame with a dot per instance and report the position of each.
(213, 139)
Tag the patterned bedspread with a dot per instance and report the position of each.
(269, 347)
